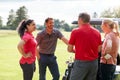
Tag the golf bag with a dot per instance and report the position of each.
(68, 70)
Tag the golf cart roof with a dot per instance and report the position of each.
(98, 21)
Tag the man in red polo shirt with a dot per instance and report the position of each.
(87, 41)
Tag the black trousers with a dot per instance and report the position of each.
(107, 71)
(28, 70)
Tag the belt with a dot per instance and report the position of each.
(44, 54)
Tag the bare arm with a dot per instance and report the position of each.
(64, 40)
(21, 50)
(70, 47)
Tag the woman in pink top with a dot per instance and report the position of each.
(109, 49)
(27, 48)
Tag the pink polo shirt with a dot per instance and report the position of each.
(30, 46)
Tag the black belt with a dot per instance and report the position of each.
(47, 54)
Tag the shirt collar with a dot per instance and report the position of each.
(47, 33)
(28, 32)
(84, 25)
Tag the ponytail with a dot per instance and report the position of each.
(116, 27)
(22, 27)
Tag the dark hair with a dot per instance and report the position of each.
(23, 25)
(47, 19)
(85, 17)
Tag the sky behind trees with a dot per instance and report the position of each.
(67, 10)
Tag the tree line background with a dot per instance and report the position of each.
(15, 17)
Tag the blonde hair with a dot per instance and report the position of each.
(112, 25)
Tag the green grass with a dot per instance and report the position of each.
(9, 57)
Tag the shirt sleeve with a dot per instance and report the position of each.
(100, 42)
(60, 35)
(26, 37)
(72, 38)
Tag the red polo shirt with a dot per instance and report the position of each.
(30, 46)
(86, 40)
